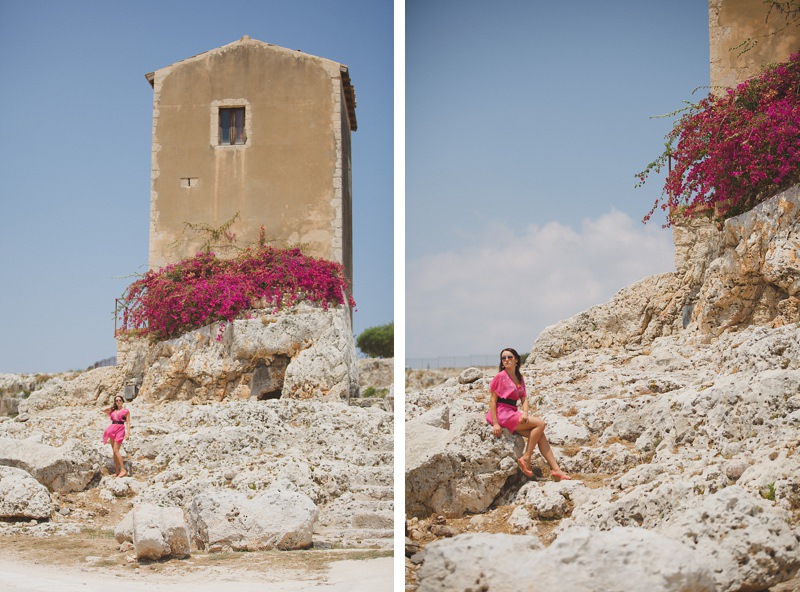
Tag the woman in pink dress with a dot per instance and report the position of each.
(506, 389)
(117, 432)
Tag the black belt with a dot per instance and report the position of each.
(512, 402)
(119, 422)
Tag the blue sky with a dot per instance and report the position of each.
(75, 161)
(526, 122)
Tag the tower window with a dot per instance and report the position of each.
(231, 126)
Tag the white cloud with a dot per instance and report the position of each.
(504, 288)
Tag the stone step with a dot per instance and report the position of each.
(380, 476)
(369, 491)
(360, 519)
(353, 538)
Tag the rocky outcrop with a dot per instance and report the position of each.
(579, 560)
(676, 407)
(340, 456)
(300, 353)
(747, 273)
(280, 518)
(15, 388)
(94, 387)
(755, 277)
(22, 497)
(70, 467)
(748, 541)
(454, 464)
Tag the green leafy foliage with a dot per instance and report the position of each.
(377, 342)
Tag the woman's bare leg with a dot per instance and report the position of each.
(114, 456)
(532, 430)
(118, 462)
(547, 453)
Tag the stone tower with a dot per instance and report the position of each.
(744, 36)
(252, 141)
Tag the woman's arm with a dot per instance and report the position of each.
(525, 401)
(127, 424)
(496, 429)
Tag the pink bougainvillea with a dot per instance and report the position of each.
(733, 151)
(204, 289)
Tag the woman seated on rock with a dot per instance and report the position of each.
(117, 432)
(506, 389)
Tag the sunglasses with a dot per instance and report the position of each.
(506, 357)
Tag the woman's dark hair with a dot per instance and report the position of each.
(516, 357)
(115, 403)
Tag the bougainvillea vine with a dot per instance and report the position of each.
(731, 152)
(195, 292)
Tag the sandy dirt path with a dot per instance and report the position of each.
(366, 575)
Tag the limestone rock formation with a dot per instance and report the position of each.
(755, 277)
(279, 518)
(750, 542)
(457, 469)
(14, 388)
(70, 467)
(159, 533)
(675, 406)
(300, 353)
(22, 497)
(579, 560)
(338, 455)
(94, 387)
(747, 273)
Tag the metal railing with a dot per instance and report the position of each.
(479, 360)
(119, 315)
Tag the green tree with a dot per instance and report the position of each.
(377, 342)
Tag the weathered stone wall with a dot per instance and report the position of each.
(376, 372)
(739, 25)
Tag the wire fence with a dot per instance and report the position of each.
(479, 360)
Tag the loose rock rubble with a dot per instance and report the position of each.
(241, 473)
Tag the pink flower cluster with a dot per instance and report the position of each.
(731, 152)
(204, 289)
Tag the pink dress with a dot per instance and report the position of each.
(508, 416)
(116, 431)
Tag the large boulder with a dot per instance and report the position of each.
(580, 560)
(301, 353)
(746, 540)
(636, 315)
(22, 497)
(477, 561)
(70, 467)
(159, 533)
(277, 519)
(457, 470)
(14, 388)
(74, 389)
